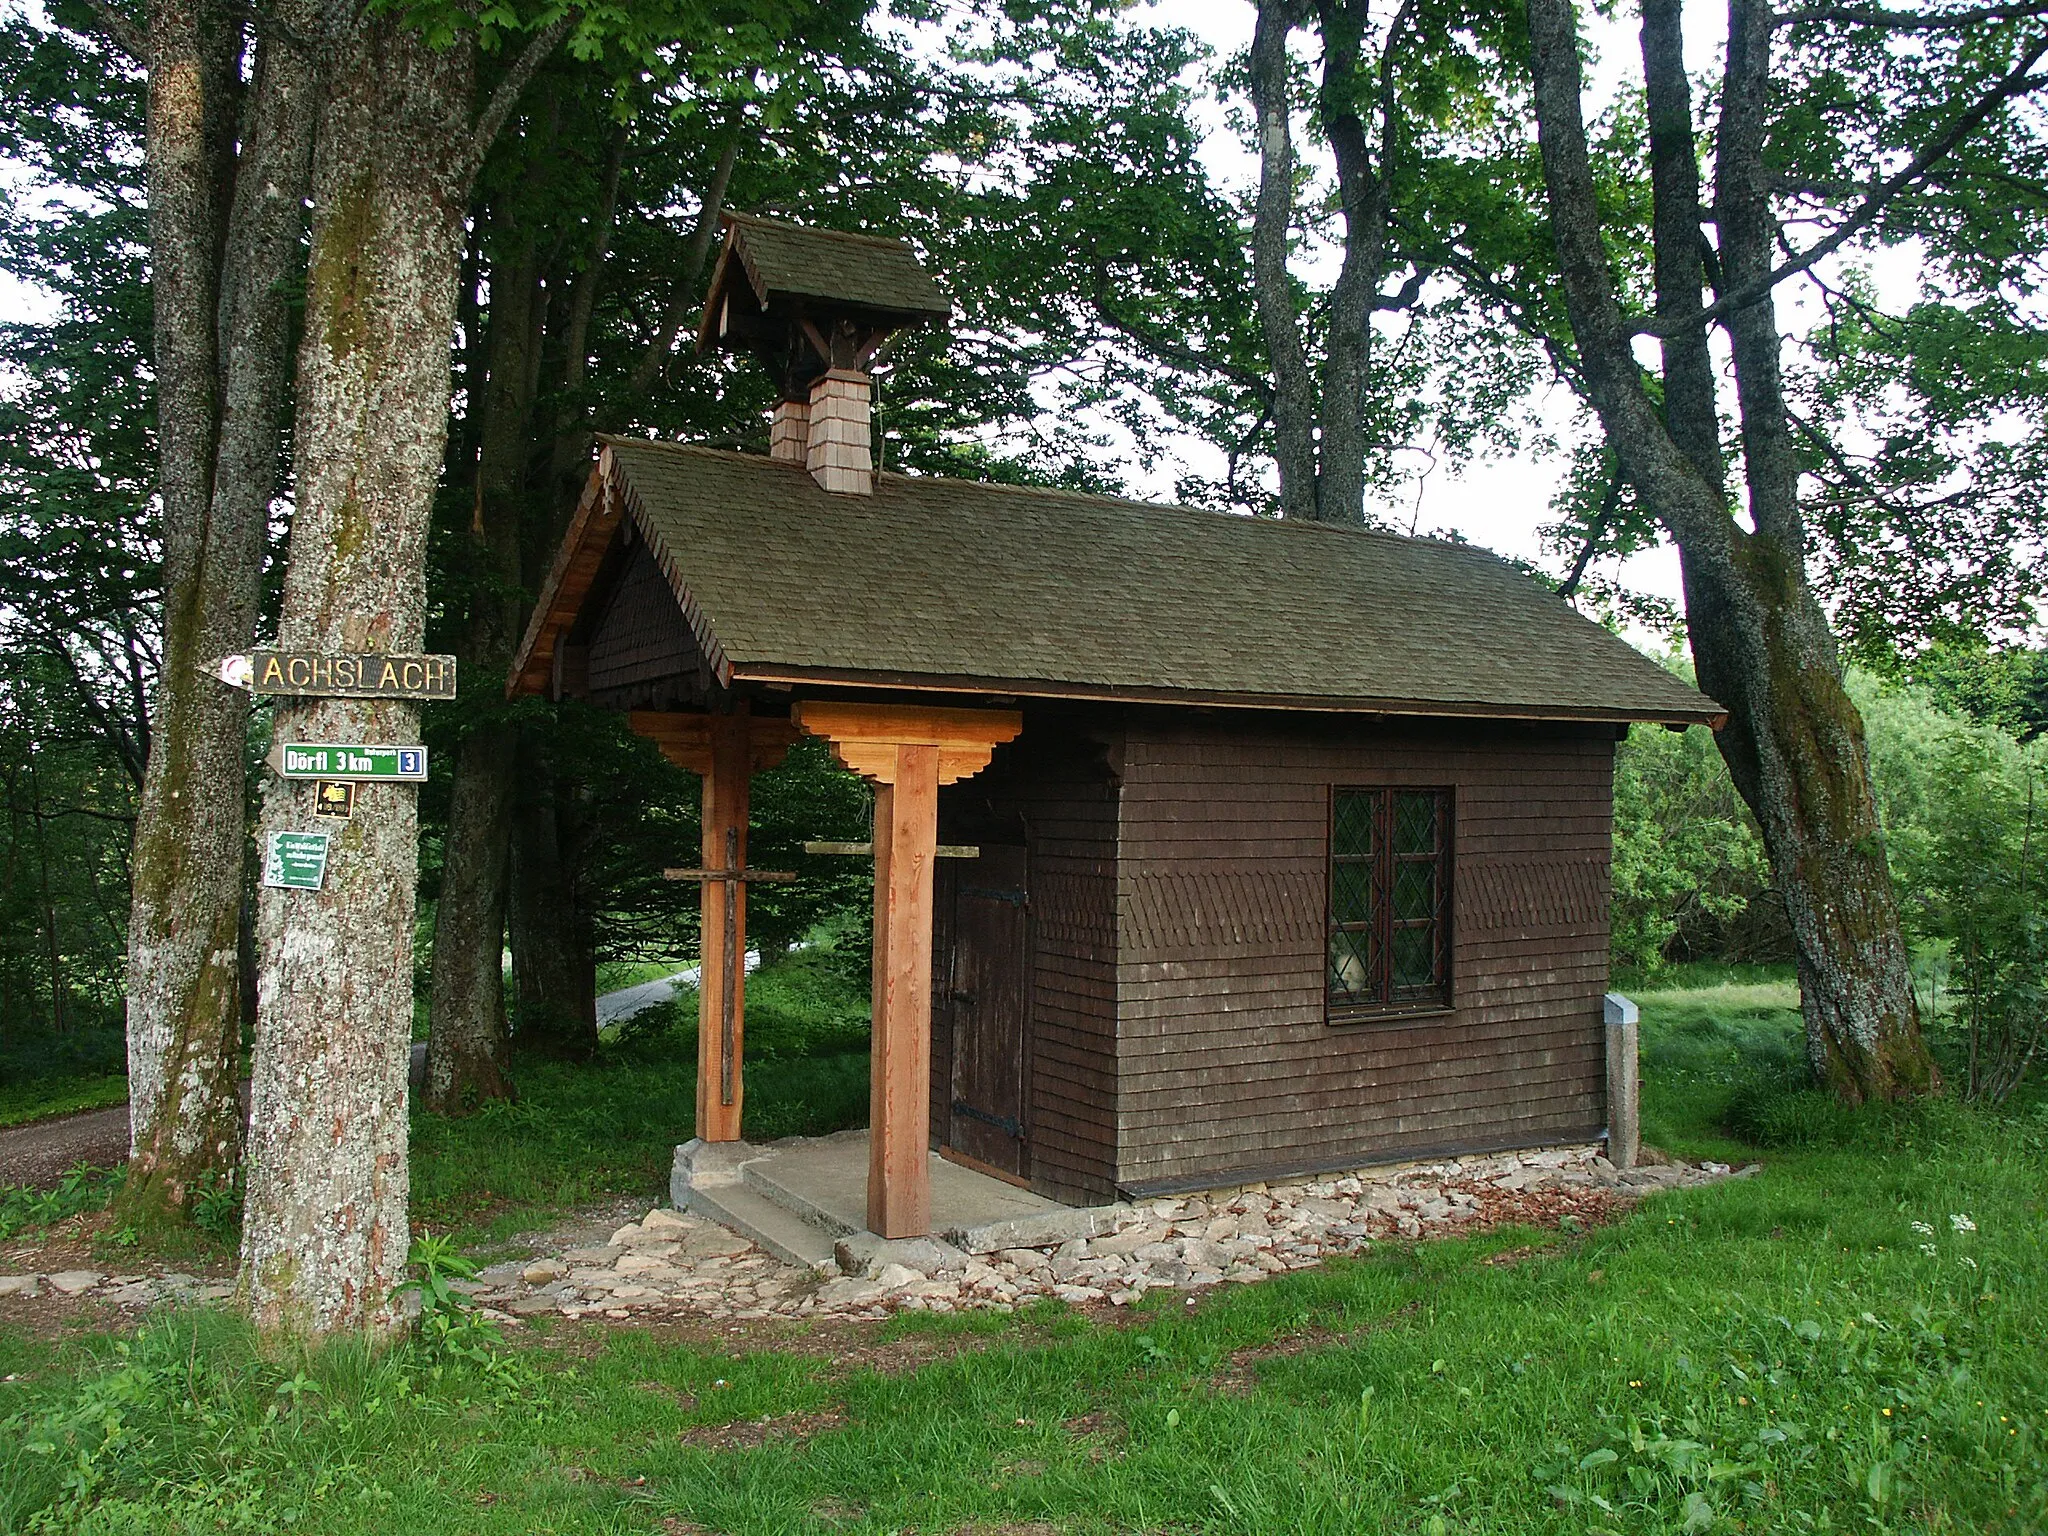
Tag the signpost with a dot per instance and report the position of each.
(375, 675)
(295, 861)
(345, 760)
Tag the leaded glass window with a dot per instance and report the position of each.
(1390, 900)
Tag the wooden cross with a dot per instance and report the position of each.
(735, 879)
(944, 850)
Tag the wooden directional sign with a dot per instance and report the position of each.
(339, 760)
(302, 674)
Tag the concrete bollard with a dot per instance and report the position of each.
(1624, 1082)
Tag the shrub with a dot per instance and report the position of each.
(1687, 859)
(1975, 886)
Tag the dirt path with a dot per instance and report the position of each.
(39, 1153)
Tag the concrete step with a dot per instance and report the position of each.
(807, 1203)
(755, 1216)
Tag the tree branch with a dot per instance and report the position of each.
(1179, 354)
(1406, 295)
(1610, 503)
(2016, 82)
(695, 254)
(510, 88)
(1511, 306)
(1908, 21)
(121, 32)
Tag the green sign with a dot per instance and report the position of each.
(332, 760)
(295, 861)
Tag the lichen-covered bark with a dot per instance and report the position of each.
(468, 1041)
(325, 1233)
(1793, 742)
(225, 244)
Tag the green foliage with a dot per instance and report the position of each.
(1977, 873)
(815, 1002)
(2002, 686)
(605, 1129)
(448, 1327)
(1687, 857)
(78, 547)
(217, 1205)
(1953, 794)
(23, 1209)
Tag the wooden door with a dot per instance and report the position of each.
(990, 1002)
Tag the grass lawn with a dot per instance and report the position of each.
(1782, 1353)
(57, 1072)
(22, 1102)
(581, 1133)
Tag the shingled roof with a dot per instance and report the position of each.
(937, 583)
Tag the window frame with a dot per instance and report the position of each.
(1384, 863)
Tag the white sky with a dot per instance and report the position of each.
(1497, 502)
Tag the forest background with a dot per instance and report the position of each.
(1084, 180)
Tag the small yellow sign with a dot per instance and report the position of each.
(334, 798)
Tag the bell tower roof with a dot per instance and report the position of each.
(805, 300)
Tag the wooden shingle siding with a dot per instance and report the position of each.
(641, 652)
(1227, 1063)
(1055, 789)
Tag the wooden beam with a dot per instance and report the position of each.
(865, 737)
(721, 983)
(945, 850)
(685, 737)
(906, 842)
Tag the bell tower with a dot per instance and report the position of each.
(815, 305)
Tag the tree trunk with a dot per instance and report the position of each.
(1340, 434)
(468, 1035)
(554, 965)
(467, 1042)
(1294, 447)
(1319, 426)
(1793, 742)
(221, 289)
(325, 1230)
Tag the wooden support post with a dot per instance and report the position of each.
(721, 983)
(726, 750)
(906, 842)
(906, 752)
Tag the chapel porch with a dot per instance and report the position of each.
(798, 1197)
(887, 1185)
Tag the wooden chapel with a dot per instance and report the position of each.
(1294, 840)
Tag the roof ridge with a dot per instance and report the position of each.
(1296, 524)
(896, 242)
(1062, 493)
